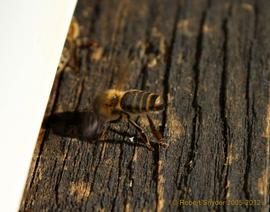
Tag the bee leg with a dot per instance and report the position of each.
(107, 127)
(144, 136)
(156, 133)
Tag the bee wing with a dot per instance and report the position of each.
(84, 125)
(92, 125)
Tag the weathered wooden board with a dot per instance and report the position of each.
(211, 62)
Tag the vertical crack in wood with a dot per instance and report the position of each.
(79, 93)
(120, 17)
(190, 163)
(144, 76)
(142, 79)
(95, 17)
(249, 111)
(166, 83)
(120, 25)
(83, 69)
(130, 173)
(110, 175)
(266, 178)
(94, 155)
(118, 177)
(60, 175)
(166, 86)
(223, 102)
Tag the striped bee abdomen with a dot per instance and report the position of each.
(136, 101)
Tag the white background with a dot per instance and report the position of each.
(32, 34)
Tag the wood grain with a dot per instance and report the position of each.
(210, 61)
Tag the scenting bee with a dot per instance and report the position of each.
(111, 105)
(114, 105)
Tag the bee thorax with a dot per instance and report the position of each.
(107, 103)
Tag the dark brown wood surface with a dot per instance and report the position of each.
(210, 59)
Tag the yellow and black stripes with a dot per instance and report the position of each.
(136, 101)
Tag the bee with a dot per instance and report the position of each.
(110, 106)
(115, 105)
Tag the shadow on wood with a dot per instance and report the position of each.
(86, 127)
